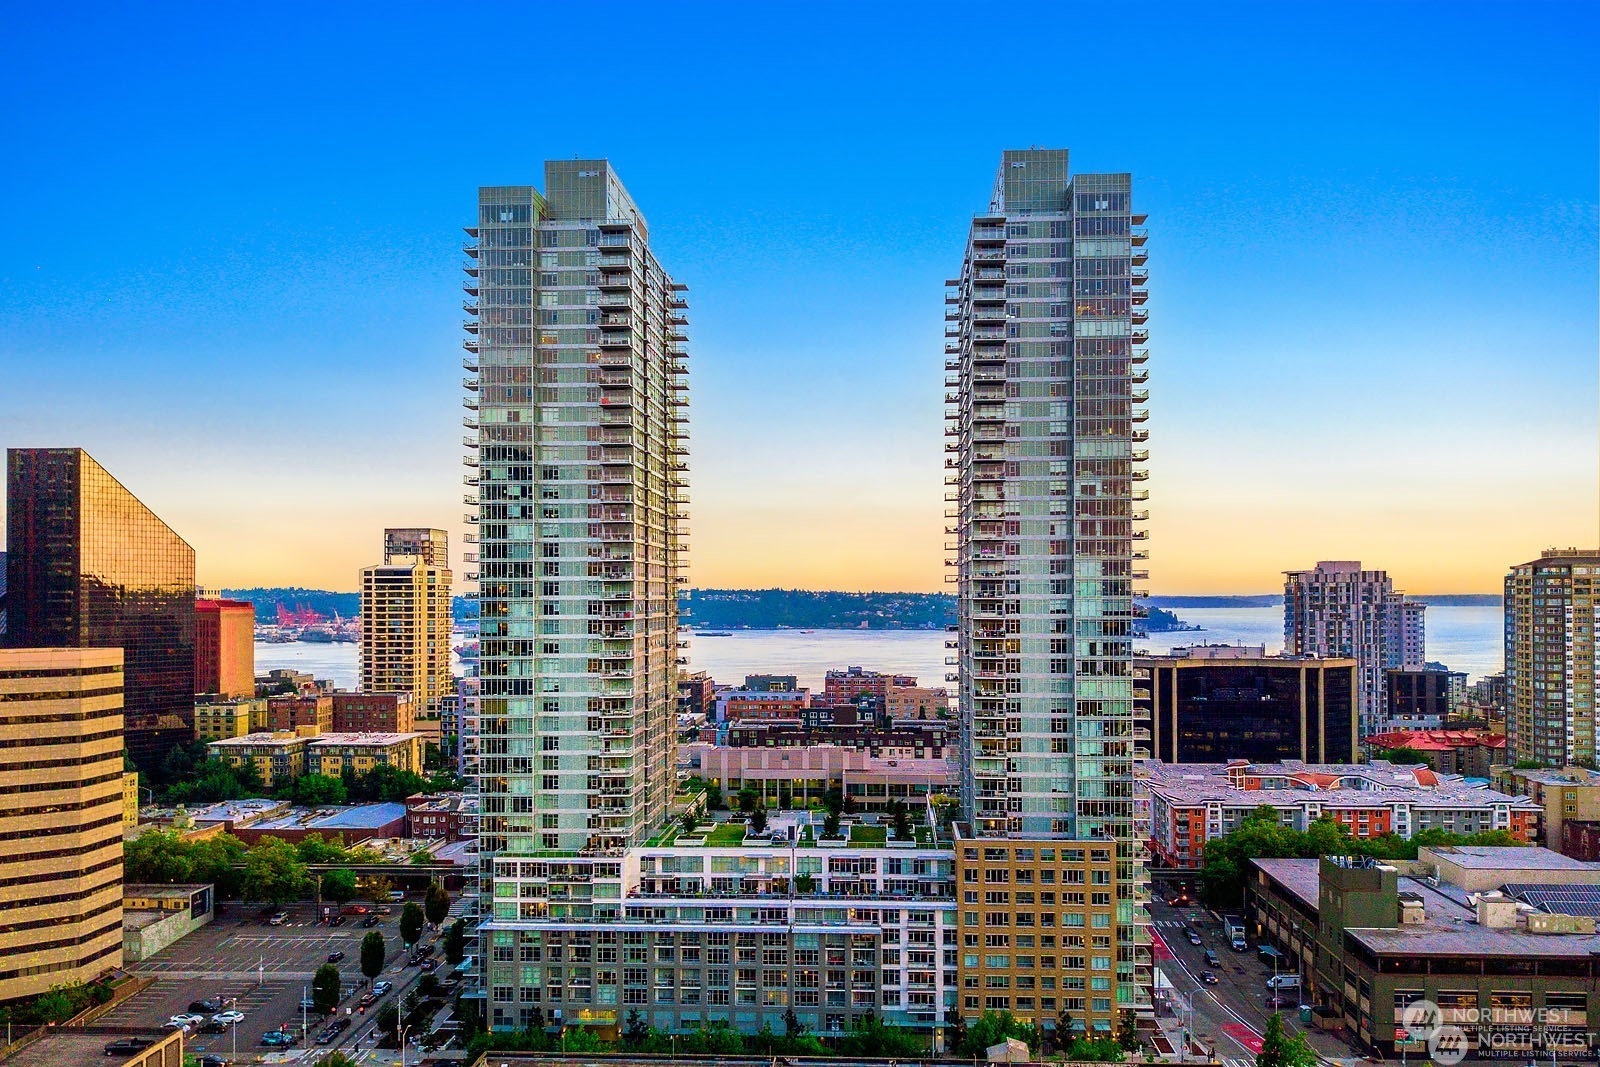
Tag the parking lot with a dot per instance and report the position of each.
(259, 970)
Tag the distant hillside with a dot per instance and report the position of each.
(805, 609)
(1252, 600)
(324, 602)
(752, 609)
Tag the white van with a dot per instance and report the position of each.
(1284, 981)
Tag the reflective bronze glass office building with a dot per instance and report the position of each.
(89, 566)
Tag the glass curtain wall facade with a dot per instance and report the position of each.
(1045, 361)
(577, 426)
(89, 566)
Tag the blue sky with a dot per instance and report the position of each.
(229, 262)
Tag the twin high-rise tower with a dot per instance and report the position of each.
(577, 403)
(1045, 456)
(577, 452)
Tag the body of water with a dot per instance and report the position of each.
(1469, 639)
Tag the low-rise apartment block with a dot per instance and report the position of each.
(334, 754)
(694, 932)
(308, 714)
(910, 740)
(447, 816)
(363, 713)
(844, 687)
(917, 702)
(1193, 803)
(215, 721)
(737, 705)
(1569, 802)
(277, 757)
(1469, 753)
(804, 775)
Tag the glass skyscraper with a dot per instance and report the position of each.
(1045, 456)
(1044, 356)
(578, 434)
(89, 566)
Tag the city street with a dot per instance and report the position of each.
(1228, 1016)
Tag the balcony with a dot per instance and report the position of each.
(470, 249)
(1141, 337)
(1140, 276)
(471, 345)
(470, 384)
(470, 325)
(469, 364)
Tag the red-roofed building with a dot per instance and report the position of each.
(1469, 753)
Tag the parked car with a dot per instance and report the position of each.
(1212, 959)
(206, 1006)
(278, 918)
(124, 1046)
(370, 921)
(187, 1020)
(335, 956)
(277, 1038)
(228, 1018)
(337, 920)
(215, 1061)
(211, 1026)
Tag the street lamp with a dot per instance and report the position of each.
(400, 1034)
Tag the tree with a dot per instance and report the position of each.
(1062, 1036)
(688, 822)
(375, 887)
(337, 1059)
(411, 921)
(1128, 1031)
(314, 848)
(749, 800)
(955, 1028)
(1402, 756)
(53, 1007)
(758, 820)
(871, 1036)
(994, 1027)
(581, 1039)
(273, 872)
(1279, 1048)
(900, 816)
(793, 1028)
(374, 954)
(325, 988)
(435, 904)
(455, 941)
(833, 800)
(1098, 1050)
(830, 824)
(635, 1031)
(714, 801)
(339, 885)
(318, 790)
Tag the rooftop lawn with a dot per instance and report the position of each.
(868, 836)
(726, 835)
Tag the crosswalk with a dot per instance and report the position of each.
(1171, 924)
(1232, 1062)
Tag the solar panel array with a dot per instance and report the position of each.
(1558, 899)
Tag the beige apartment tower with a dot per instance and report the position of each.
(61, 817)
(1551, 666)
(405, 622)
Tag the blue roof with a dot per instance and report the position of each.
(365, 816)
